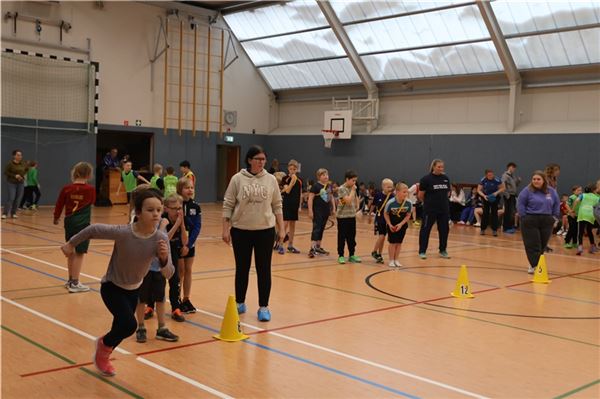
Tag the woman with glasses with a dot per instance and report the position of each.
(251, 207)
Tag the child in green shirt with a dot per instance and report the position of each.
(32, 188)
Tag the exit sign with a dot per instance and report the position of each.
(228, 139)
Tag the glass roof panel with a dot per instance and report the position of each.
(443, 61)
(276, 19)
(534, 16)
(452, 25)
(357, 10)
(311, 74)
(297, 47)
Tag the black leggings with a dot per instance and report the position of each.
(536, 231)
(346, 234)
(587, 226)
(28, 196)
(261, 241)
(121, 303)
(318, 226)
(571, 236)
(429, 219)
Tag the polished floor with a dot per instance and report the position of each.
(338, 331)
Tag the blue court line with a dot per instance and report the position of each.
(41, 272)
(300, 359)
(447, 278)
(555, 296)
(47, 239)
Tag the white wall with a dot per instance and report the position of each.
(544, 110)
(123, 36)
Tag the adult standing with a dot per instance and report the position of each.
(251, 207)
(434, 190)
(537, 205)
(511, 183)
(489, 188)
(111, 159)
(552, 172)
(15, 177)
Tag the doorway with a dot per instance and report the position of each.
(228, 164)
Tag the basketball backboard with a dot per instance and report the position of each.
(340, 121)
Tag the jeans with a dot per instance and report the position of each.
(15, 192)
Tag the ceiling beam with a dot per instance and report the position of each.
(342, 36)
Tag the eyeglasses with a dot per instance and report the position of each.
(177, 208)
(259, 159)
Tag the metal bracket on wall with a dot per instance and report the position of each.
(60, 24)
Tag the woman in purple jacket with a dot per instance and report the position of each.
(537, 205)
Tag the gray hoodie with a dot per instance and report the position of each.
(252, 201)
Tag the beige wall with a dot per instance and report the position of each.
(543, 110)
(123, 36)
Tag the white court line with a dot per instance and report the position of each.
(551, 254)
(123, 351)
(57, 246)
(325, 349)
(46, 263)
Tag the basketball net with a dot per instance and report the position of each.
(328, 136)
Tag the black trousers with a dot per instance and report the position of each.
(346, 234)
(571, 236)
(510, 205)
(318, 225)
(536, 231)
(28, 196)
(429, 219)
(585, 226)
(121, 304)
(490, 214)
(261, 242)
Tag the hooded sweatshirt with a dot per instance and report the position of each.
(252, 201)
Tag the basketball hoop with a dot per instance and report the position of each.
(329, 135)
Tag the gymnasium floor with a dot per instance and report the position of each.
(338, 331)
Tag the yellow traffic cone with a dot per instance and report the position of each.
(462, 289)
(231, 329)
(540, 275)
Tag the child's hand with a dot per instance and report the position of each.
(67, 249)
(55, 221)
(163, 250)
(184, 251)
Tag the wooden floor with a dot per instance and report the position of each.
(351, 331)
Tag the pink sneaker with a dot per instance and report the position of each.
(102, 358)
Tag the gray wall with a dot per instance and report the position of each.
(407, 157)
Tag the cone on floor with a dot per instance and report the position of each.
(463, 288)
(231, 330)
(540, 275)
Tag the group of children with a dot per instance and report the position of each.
(180, 221)
(580, 214)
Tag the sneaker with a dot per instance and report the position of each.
(380, 259)
(593, 249)
(509, 231)
(140, 335)
(495, 233)
(398, 264)
(354, 259)
(3, 216)
(375, 255)
(444, 254)
(559, 232)
(569, 246)
(422, 255)
(34, 207)
(579, 250)
(14, 216)
(77, 287)
(241, 308)
(477, 225)
(293, 250)
(148, 313)
(177, 316)
(264, 314)
(392, 264)
(281, 250)
(341, 260)
(531, 270)
(321, 251)
(165, 335)
(417, 223)
(187, 307)
(460, 222)
(102, 358)
(311, 253)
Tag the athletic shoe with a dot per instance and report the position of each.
(417, 223)
(165, 335)
(477, 225)
(509, 231)
(187, 307)
(3, 216)
(354, 259)
(422, 255)
(559, 232)
(177, 316)
(392, 264)
(264, 314)
(579, 249)
(77, 287)
(34, 207)
(321, 251)
(531, 270)
(460, 222)
(102, 358)
(375, 255)
(281, 250)
(311, 253)
(398, 264)
(495, 233)
(380, 259)
(569, 246)
(593, 249)
(293, 250)
(341, 260)
(148, 313)
(241, 308)
(444, 254)
(140, 335)
(15, 216)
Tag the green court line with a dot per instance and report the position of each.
(581, 388)
(69, 361)
(425, 307)
(38, 296)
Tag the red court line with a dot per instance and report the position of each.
(310, 322)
